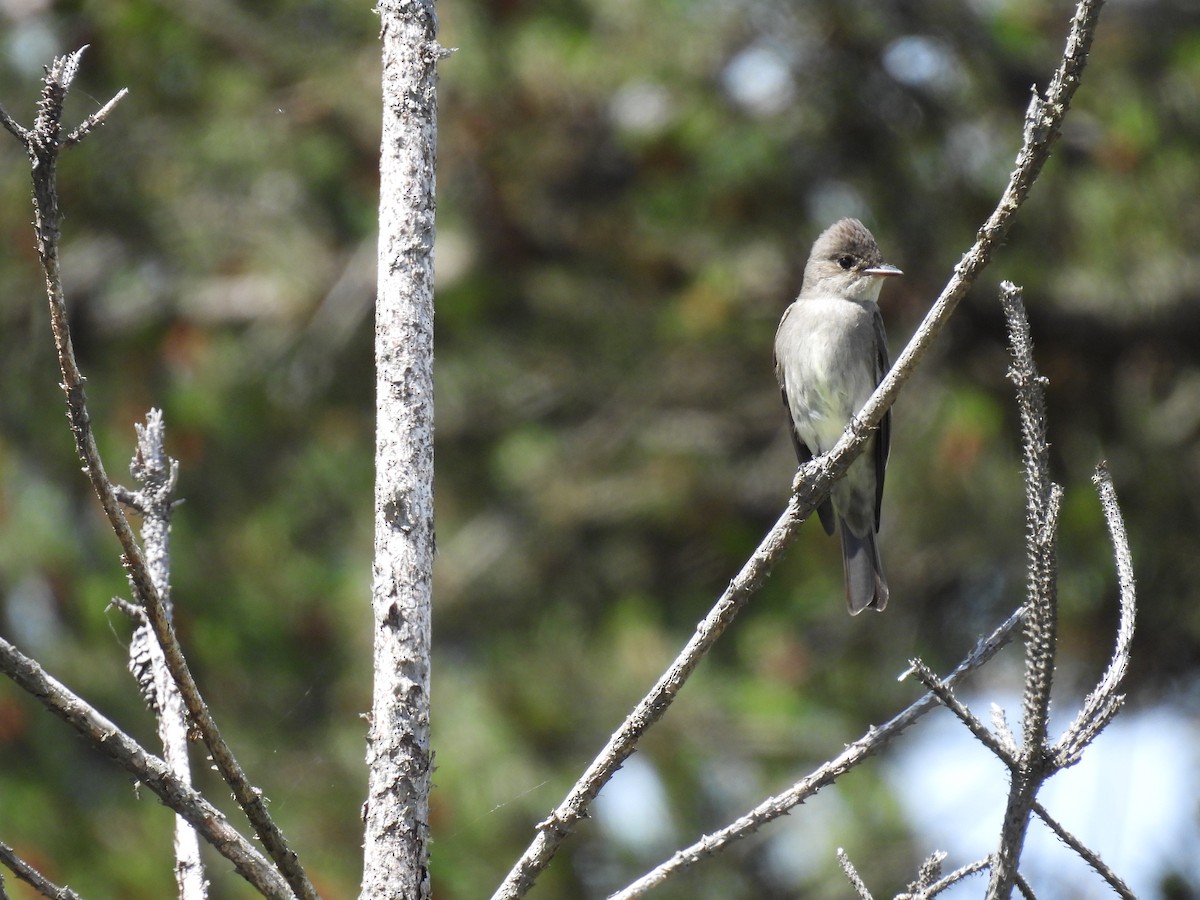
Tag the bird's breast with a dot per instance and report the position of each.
(827, 362)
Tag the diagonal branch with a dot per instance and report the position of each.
(94, 120)
(1002, 730)
(12, 127)
(852, 875)
(43, 144)
(1043, 119)
(781, 804)
(948, 881)
(32, 877)
(650, 709)
(1042, 122)
(148, 769)
(930, 871)
(946, 696)
(1023, 886)
(1088, 855)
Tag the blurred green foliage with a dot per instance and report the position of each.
(627, 194)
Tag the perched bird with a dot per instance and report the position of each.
(830, 355)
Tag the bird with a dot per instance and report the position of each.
(830, 355)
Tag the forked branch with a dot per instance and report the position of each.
(43, 143)
(781, 804)
(1034, 761)
(1043, 119)
(149, 770)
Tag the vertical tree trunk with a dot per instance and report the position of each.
(398, 754)
(155, 475)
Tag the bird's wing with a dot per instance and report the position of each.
(883, 442)
(803, 453)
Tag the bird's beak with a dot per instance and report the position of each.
(883, 270)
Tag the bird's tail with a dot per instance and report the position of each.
(865, 584)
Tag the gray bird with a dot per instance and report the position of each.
(830, 355)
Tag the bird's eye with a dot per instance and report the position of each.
(846, 261)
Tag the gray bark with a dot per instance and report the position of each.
(398, 754)
(155, 474)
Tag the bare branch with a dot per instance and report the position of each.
(31, 876)
(1034, 763)
(1087, 854)
(157, 475)
(930, 871)
(1003, 730)
(852, 874)
(95, 120)
(126, 497)
(148, 769)
(135, 612)
(650, 709)
(942, 691)
(13, 128)
(1070, 749)
(813, 481)
(1042, 500)
(779, 805)
(1043, 119)
(61, 72)
(43, 143)
(1104, 700)
(1023, 886)
(399, 756)
(949, 881)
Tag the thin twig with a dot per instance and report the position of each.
(13, 128)
(813, 481)
(95, 120)
(944, 694)
(32, 877)
(1086, 853)
(1102, 703)
(855, 879)
(948, 881)
(1002, 730)
(855, 753)
(1023, 886)
(43, 143)
(930, 871)
(148, 769)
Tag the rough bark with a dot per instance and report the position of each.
(398, 753)
(155, 473)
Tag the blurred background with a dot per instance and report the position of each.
(627, 195)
